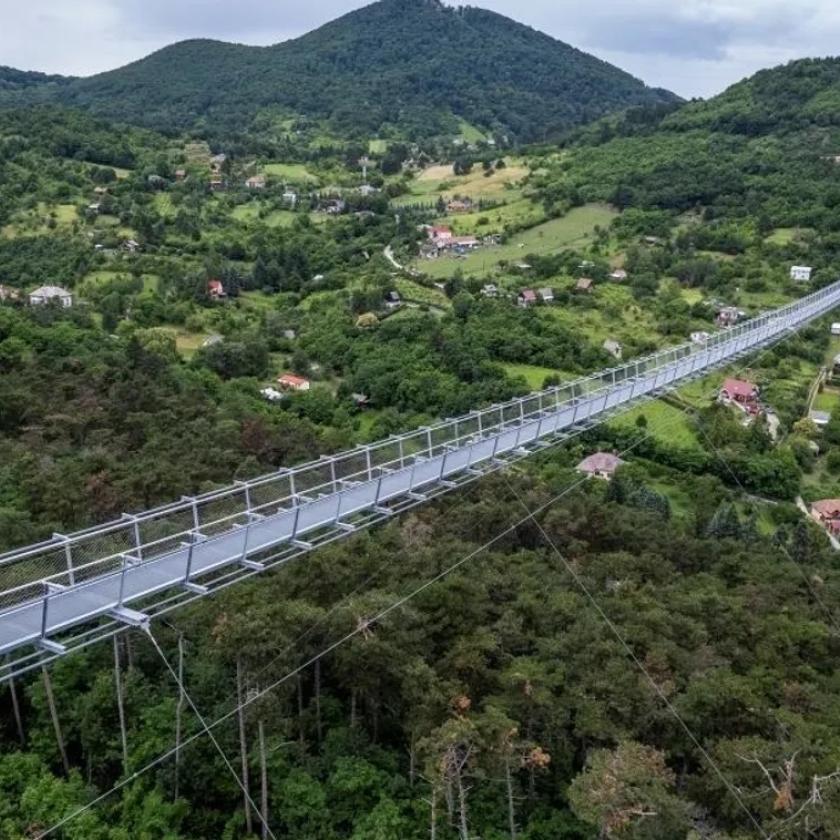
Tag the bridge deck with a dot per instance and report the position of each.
(107, 586)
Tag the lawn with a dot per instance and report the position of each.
(534, 375)
(378, 147)
(469, 133)
(521, 213)
(664, 422)
(98, 278)
(163, 204)
(575, 229)
(826, 401)
(36, 222)
(295, 173)
(251, 213)
(784, 236)
(411, 291)
(440, 181)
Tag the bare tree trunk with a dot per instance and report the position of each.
(179, 712)
(263, 782)
(510, 799)
(120, 708)
(412, 761)
(301, 733)
(129, 651)
(318, 724)
(462, 808)
(433, 813)
(56, 724)
(243, 746)
(450, 800)
(16, 711)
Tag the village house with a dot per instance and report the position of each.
(361, 401)
(272, 394)
(216, 183)
(459, 205)
(464, 243)
(489, 290)
(290, 197)
(728, 316)
(547, 295)
(614, 348)
(835, 329)
(180, 174)
(585, 284)
(440, 236)
(526, 298)
(619, 275)
(216, 289)
(740, 393)
(289, 335)
(393, 300)
(47, 294)
(100, 191)
(293, 382)
(819, 418)
(8, 293)
(700, 337)
(334, 206)
(131, 245)
(212, 340)
(601, 465)
(826, 512)
(801, 273)
(367, 190)
(256, 182)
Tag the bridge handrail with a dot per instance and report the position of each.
(63, 557)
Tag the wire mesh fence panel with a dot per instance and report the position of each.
(353, 466)
(22, 581)
(99, 554)
(442, 437)
(315, 479)
(267, 496)
(158, 534)
(222, 513)
(416, 443)
(386, 455)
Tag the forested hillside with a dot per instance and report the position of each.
(412, 65)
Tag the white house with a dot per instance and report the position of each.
(47, 294)
(801, 273)
(614, 348)
(835, 329)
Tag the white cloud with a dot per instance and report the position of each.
(695, 47)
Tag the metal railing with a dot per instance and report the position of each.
(246, 518)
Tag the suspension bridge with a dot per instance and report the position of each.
(77, 589)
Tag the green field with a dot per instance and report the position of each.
(664, 422)
(295, 173)
(251, 213)
(534, 375)
(440, 182)
(520, 213)
(575, 229)
(469, 133)
(378, 147)
(411, 291)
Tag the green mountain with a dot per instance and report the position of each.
(766, 150)
(415, 64)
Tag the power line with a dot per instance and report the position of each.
(324, 652)
(210, 734)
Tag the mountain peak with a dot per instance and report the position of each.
(355, 72)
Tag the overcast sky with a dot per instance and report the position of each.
(693, 47)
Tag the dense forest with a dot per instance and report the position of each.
(408, 67)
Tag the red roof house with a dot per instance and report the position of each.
(827, 513)
(739, 391)
(527, 297)
(216, 289)
(600, 465)
(292, 382)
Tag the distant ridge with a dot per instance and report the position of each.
(415, 64)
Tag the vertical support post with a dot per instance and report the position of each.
(188, 572)
(368, 464)
(402, 451)
(122, 580)
(120, 707)
(16, 711)
(44, 610)
(243, 746)
(68, 557)
(429, 441)
(62, 749)
(138, 543)
(196, 520)
(333, 476)
(179, 711)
